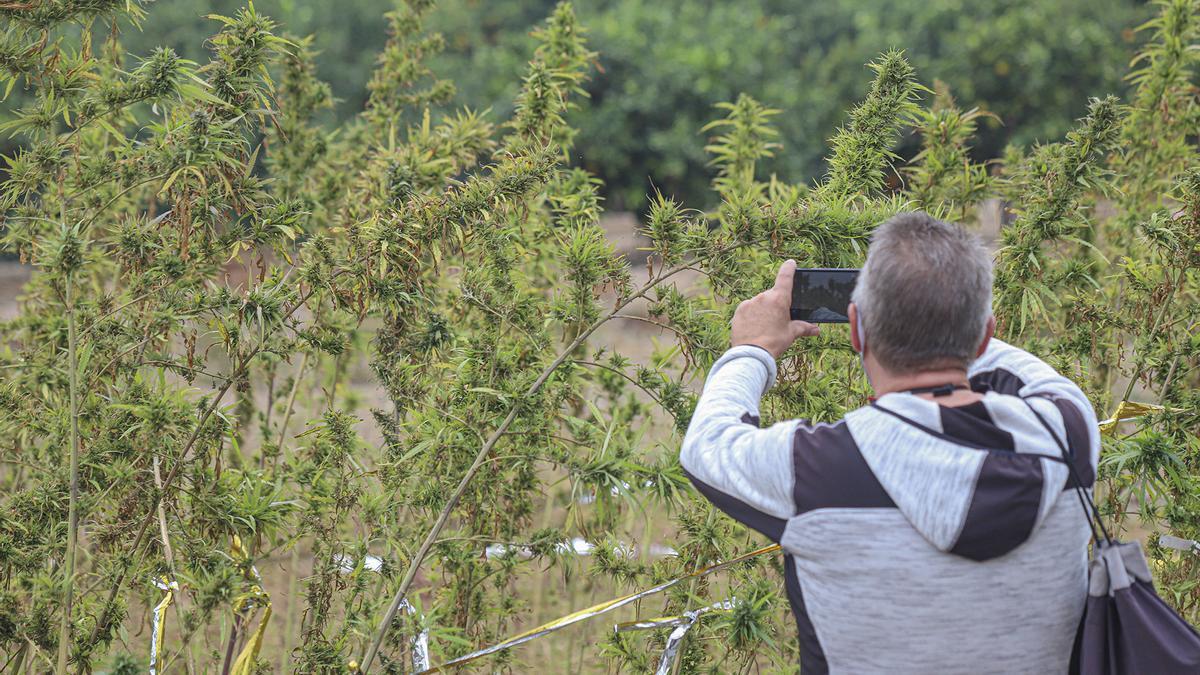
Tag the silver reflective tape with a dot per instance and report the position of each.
(420, 641)
(682, 623)
(671, 652)
(1171, 541)
(648, 624)
(155, 626)
(575, 545)
(668, 621)
(420, 650)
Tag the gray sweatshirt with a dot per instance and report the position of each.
(919, 538)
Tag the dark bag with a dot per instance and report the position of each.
(1126, 628)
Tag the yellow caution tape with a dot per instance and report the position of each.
(245, 604)
(236, 550)
(244, 665)
(159, 625)
(596, 610)
(1127, 410)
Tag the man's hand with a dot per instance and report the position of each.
(766, 319)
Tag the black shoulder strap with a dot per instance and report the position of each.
(1085, 500)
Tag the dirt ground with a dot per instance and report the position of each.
(13, 276)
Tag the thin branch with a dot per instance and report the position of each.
(291, 402)
(624, 375)
(96, 214)
(652, 322)
(480, 459)
(65, 628)
(96, 322)
(1141, 362)
(169, 481)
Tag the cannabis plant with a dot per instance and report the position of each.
(286, 397)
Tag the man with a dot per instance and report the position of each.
(934, 530)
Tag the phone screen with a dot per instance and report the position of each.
(822, 295)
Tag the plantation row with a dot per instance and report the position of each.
(181, 405)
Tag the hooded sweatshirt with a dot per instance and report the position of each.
(918, 538)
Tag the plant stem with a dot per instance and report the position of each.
(291, 402)
(170, 556)
(481, 457)
(169, 481)
(1141, 362)
(293, 604)
(647, 392)
(231, 644)
(64, 631)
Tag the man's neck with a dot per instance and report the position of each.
(888, 384)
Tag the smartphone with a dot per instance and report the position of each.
(822, 295)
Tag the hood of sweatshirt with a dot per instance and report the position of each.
(975, 480)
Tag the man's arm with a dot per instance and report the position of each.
(744, 470)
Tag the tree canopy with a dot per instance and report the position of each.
(662, 66)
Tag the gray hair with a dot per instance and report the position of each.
(924, 295)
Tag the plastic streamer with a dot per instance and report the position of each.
(682, 623)
(668, 621)
(672, 648)
(596, 610)
(158, 627)
(1179, 544)
(245, 604)
(1127, 410)
(244, 665)
(420, 641)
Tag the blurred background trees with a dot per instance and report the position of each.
(663, 66)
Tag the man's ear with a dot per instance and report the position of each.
(855, 338)
(987, 336)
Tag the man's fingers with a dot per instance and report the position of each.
(805, 329)
(783, 280)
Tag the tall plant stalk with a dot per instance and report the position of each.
(481, 457)
(65, 629)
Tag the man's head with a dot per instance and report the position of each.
(924, 297)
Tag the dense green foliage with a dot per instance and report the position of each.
(662, 66)
(210, 261)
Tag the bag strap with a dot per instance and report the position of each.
(1085, 499)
